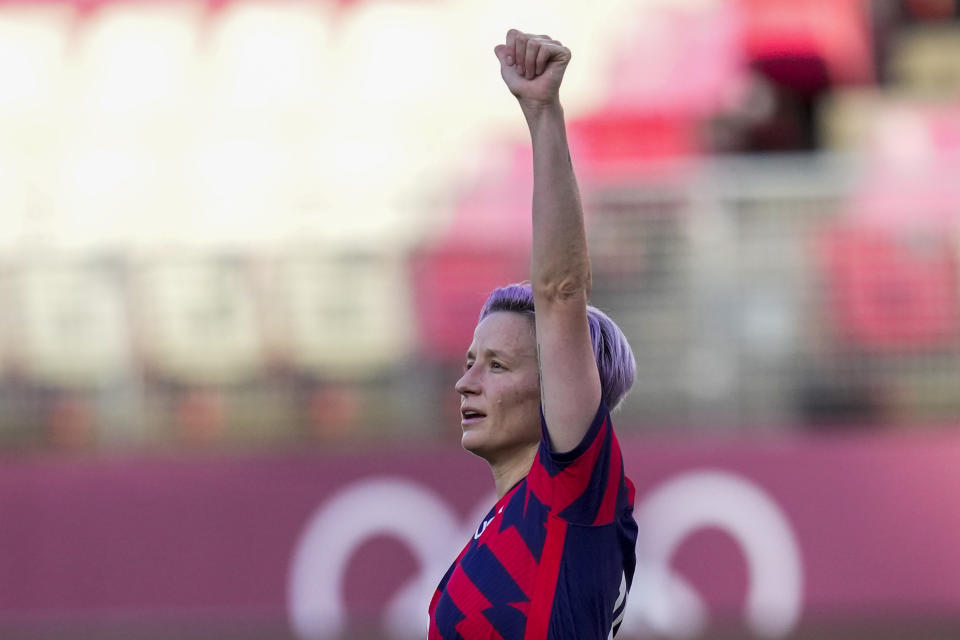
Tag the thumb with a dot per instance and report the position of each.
(501, 52)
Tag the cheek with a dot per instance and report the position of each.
(524, 403)
(518, 395)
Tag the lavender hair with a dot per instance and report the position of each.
(615, 359)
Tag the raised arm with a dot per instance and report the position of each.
(532, 68)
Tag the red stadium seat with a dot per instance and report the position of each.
(674, 69)
(831, 33)
(893, 260)
(450, 285)
(614, 144)
(892, 291)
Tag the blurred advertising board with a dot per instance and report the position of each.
(769, 535)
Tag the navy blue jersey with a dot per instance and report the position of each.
(554, 557)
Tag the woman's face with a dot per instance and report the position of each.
(500, 388)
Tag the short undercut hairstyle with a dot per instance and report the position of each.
(614, 357)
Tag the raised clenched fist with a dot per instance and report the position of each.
(532, 67)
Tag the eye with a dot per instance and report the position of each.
(467, 365)
(496, 365)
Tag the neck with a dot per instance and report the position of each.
(512, 469)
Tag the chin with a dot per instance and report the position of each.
(469, 442)
(473, 443)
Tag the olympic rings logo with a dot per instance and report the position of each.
(661, 602)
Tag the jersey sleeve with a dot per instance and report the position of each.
(585, 485)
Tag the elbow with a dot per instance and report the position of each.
(563, 286)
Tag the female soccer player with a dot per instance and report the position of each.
(554, 557)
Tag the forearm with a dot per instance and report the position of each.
(560, 264)
(570, 390)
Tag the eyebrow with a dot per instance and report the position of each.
(490, 353)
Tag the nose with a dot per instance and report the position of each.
(468, 383)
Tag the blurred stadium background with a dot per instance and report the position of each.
(243, 245)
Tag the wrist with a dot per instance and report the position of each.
(536, 112)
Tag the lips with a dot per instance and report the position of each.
(470, 415)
